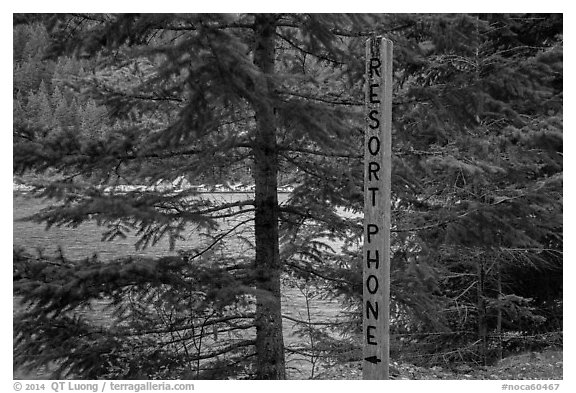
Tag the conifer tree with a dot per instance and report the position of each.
(228, 99)
(31, 42)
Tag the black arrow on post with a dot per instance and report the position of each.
(373, 359)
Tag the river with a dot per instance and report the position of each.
(84, 241)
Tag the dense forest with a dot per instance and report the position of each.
(102, 101)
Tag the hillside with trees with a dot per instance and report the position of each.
(104, 100)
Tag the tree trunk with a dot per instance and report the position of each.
(268, 319)
(482, 318)
(499, 315)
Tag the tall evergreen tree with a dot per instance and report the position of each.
(231, 94)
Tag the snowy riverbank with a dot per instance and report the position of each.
(175, 186)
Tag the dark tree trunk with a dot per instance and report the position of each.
(482, 318)
(268, 320)
(499, 315)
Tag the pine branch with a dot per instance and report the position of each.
(322, 99)
(460, 216)
(221, 26)
(303, 167)
(224, 350)
(189, 152)
(173, 327)
(234, 214)
(91, 17)
(318, 152)
(352, 34)
(195, 336)
(219, 238)
(224, 206)
(182, 153)
(142, 97)
(313, 54)
(316, 273)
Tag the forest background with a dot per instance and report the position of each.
(449, 223)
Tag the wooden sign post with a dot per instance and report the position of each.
(377, 182)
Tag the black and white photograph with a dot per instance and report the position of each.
(287, 196)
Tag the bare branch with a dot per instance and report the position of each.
(313, 323)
